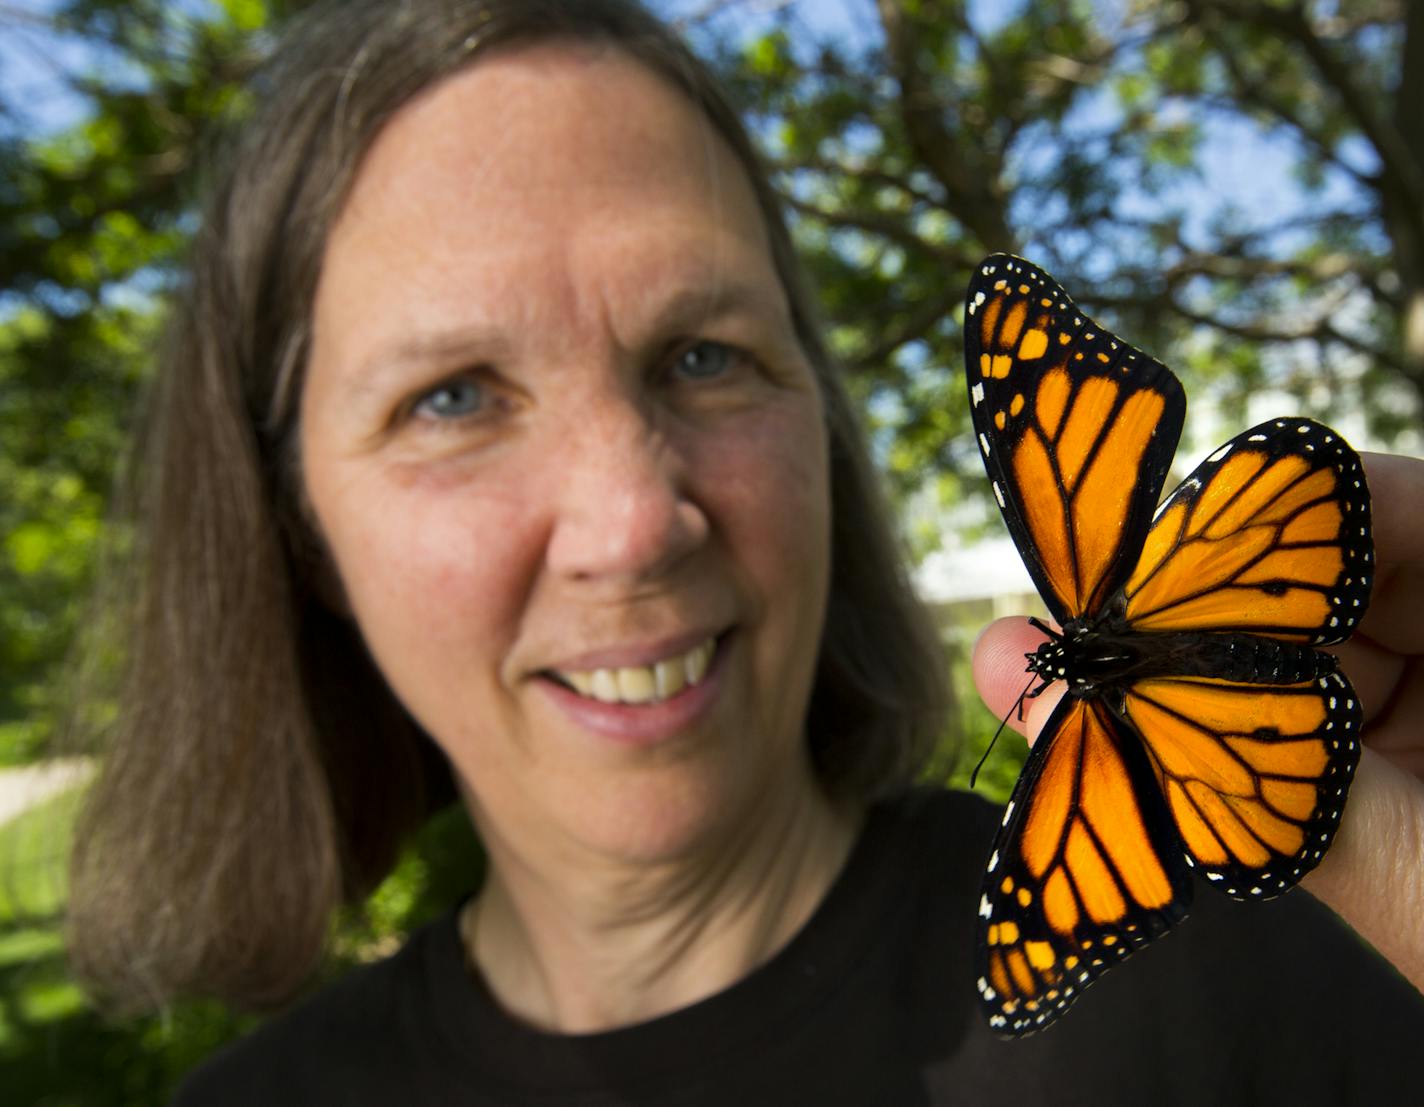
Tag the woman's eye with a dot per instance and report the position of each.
(705, 360)
(455, 399)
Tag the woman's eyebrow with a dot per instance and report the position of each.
(693, 304)
(469, 343)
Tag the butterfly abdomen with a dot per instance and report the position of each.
(1090, 658)
(1248, 659)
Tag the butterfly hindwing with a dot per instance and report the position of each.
(1255, 776)
(1085, 869)
(1270, 535)
(1063, 412)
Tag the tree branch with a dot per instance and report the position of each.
(914, 327)
(1319, 330)
(867, 174)
(1399, 170)
(971, 178)
(870, 223)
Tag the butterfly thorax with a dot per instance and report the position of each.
(1095, 656)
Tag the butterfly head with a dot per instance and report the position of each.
(1050, 662)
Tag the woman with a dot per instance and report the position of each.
(503, 413)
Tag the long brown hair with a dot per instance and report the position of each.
(259, 771)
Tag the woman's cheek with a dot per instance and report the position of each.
(778, 475)
(434, 563)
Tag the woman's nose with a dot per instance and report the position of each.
(625, 508)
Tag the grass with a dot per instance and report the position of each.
(34, 849)
(35, 989)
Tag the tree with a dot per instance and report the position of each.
(1076, 133)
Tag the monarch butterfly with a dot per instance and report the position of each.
(1201, 729)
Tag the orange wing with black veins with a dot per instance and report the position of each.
(1077, 430)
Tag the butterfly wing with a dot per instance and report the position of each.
(1270, 535)
(1085, 869)
(1076, 427)
(1255, 776)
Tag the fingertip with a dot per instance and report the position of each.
(1040, 708)
(998, 661)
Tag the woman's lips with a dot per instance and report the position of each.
(637, 705)
(641, 684)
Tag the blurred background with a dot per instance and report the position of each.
(1236, 186)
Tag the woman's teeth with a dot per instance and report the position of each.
(644, 683)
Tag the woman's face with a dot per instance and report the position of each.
(562, 442)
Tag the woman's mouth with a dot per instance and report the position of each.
(642, 684)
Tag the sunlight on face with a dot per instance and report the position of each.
(566, 451)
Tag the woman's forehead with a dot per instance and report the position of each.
(551, 167)
(515, 133)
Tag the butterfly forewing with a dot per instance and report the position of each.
(1255, 776)
(1085, 869)
(1270, 535)
(1076, 427)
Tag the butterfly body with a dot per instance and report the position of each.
(1094, 658)
(1202, 730)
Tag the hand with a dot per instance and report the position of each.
(1373, 874)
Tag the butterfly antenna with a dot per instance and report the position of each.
(1018, 706)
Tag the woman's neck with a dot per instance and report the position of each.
(614, 944)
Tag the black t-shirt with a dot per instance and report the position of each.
(872, 1003)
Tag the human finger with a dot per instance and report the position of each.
(1002, 677)
(1396, 493)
